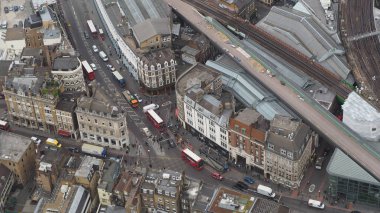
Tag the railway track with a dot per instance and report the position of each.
(357, 18)
(277, 47)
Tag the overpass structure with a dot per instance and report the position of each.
(311, 112)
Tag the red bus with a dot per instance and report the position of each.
(87, 70)
(4, 125)
(157, 122)
(193, 159)
(92, 28)
(101, 34)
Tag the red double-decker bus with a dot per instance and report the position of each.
(92, 28)
(193, 159)
(156, 120)
(4, 125)
(87, 70)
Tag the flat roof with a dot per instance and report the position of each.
(15, 34)
(13, 146)
(65, 63)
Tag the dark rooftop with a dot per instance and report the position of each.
(34, 52)
(65, 63)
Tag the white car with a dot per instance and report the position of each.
(93, 66)
(138, 98)
(316, 204)
(21, 7)
(35, 140)
(95, 48)
(111, 67)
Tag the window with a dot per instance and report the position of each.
(113, 142)
(243, 131)
(283, 152)
(121, 123)
(290, 155)
(236, 127)
(373, 129)
(96, 121)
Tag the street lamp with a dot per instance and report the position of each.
(150, 162)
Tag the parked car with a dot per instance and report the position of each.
(95, 48)
(249, 180)
(21, 7)
(10, 8)
(138, 97)
(6, 10)
(241, 186)
(316, 204)
(217, 176)
(171, 143)
(86, 35)
(35, 140)
(111, 67)
(93, 66)
(15, 8)
(74, 149)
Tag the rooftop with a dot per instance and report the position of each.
(159, 56)
(68, 199)
(305, 33)
(189, 50)
(65, 63)
(151, 27)
(52, 33)
(263, 206)
(343, 166)
(31, 52)
(248, 116)
(166, 180)
(198, 74)
(138, 11)
(247, 89)
(226, 200)
(88, 165)
(13, 146)
(13, 34)
(111, 171)
(99, 101)
(287, 133)
(68, 101)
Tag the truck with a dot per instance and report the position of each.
(150, 106)
(264, 190)
(97, 151)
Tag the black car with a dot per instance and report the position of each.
(6, 10)
(241, 186)
(15, 8)
(171, 143)
(86, 35)
(74, 149)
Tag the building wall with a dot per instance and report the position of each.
(73, 80)
(289, 172)
(66, 123)
(156, 42)
(206, 126)
(167, 203)
(25, 167)
(247, 142)
(103, 130)
(34, 112)
(159, 76)
(6, 190)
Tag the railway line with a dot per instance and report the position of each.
(357, 18)
(277, 47)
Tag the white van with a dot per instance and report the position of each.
(103, 56)
(316, 204)
(4, 25)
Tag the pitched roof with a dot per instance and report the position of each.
(341, 165)
(151, 27)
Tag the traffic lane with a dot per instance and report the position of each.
(301, 206)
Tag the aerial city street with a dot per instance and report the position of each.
(189, 106)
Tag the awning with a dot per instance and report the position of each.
(64, 133)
